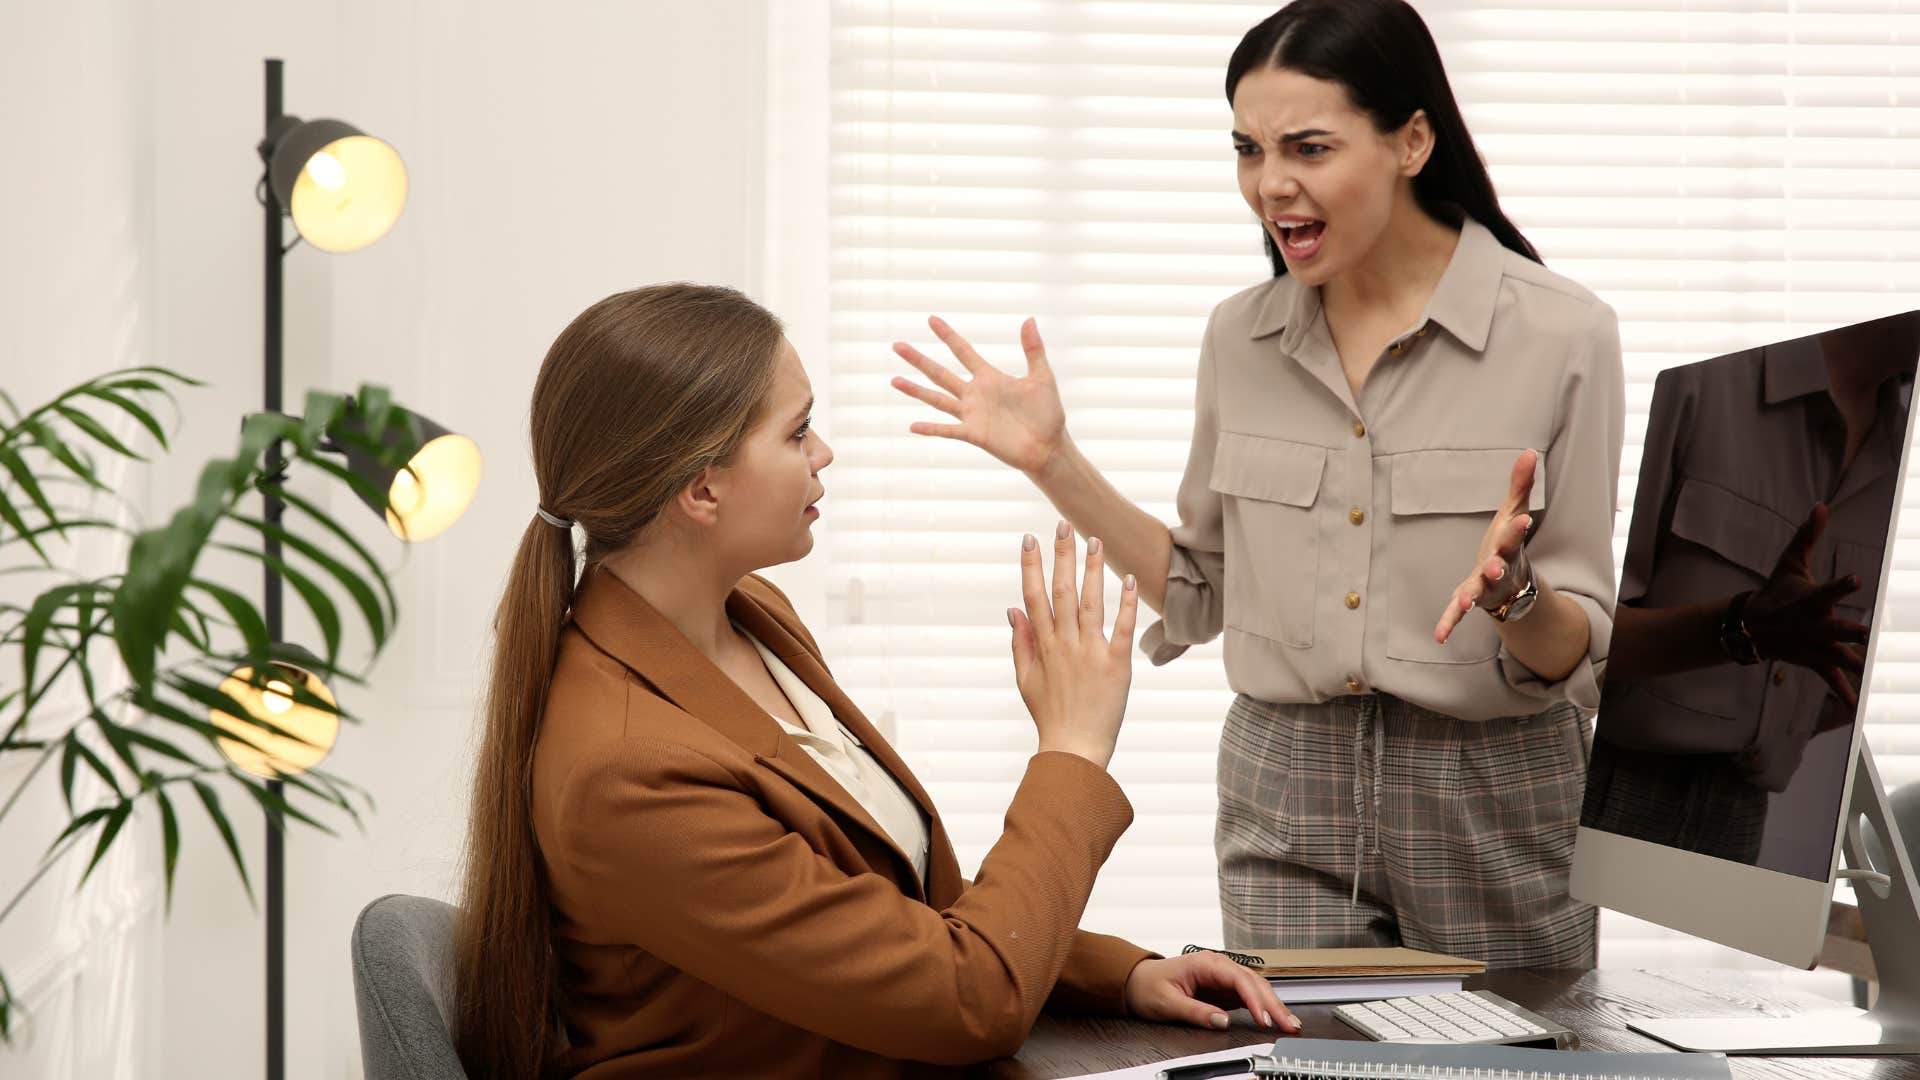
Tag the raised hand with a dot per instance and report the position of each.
(1016, 419)
(1489, 585)
(1073, 679)
(1791, 617)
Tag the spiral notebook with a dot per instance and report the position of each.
(1325, 1059)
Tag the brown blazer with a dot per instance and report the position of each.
(723, 907)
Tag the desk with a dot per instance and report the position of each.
(1595, 1005)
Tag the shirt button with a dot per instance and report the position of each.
(1359, 430)
(1357, 515)
(1779, 676)
(1353, 600)
(1353, 686)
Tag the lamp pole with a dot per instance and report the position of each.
(274, 254)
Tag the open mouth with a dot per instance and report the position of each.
(1300, 238)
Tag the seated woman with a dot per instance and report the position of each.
(689, 853)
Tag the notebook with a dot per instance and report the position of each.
(1335, 963)
(1313, 1059)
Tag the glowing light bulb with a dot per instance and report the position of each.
(326, 170)
(406, 495)
(278, 697)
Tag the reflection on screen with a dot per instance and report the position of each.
(1767, 475)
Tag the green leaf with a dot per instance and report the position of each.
(322, 410)
(34, 629)
(49, 440)
(12, 519)
(211, 801)
(69, 758)
(219, 701)
(77, 824)
(143, 740)
(16, 467)
(361, 486)
(182, 625)
(133, 409)
(355, 586)
(325, 613)
(245, 616)
(96, 431)
(170, 840)
(376, 405)
(95, 763)
(326, 521)
(161, 561)
(275, 805)
(111, 829)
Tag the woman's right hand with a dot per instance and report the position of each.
(1073, 679)
(1018, 420)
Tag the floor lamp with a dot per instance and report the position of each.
(344, 190)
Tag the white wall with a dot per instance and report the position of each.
(76, 280)
(556, 155)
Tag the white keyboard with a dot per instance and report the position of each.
(1465, 1016)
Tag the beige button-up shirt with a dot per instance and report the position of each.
(1324, 534)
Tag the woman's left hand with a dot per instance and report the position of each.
(1486, 586)
(1197, 988)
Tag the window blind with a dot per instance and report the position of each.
(1724, 173)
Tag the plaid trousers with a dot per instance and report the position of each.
(1368, 821)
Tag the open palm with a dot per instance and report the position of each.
(1016, 419)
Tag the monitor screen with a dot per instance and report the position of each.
(1754, 555)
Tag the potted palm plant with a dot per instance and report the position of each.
(131, 683)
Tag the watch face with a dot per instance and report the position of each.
(1521, 604)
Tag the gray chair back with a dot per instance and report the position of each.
(402, 972)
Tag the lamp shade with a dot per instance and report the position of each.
(267, 754)
(432, 490)
(344, 188)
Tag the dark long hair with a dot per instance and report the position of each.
(636, 396)
(1381, 52)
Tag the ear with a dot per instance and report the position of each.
(1415, 141)
(699, 501)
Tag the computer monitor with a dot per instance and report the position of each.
(1728, 762)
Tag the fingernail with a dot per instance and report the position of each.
(1266, 1018)
(1292, 1023)
(1218, 1020)
(1130, 583)
(1093, 546)
(1501, 574)
(1028, 543)
(1010, 625)
(1062, 531)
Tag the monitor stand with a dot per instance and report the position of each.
(1890, 908)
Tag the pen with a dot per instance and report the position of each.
(1246, 1066)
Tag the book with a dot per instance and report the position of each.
(1313, 1059)
(1321, 989)
(1346, 963)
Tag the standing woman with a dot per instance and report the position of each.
(1377, 429)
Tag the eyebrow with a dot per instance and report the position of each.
(1291, 137)
(804, 410)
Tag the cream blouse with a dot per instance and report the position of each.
(847, 760)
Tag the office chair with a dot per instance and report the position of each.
(401, 966)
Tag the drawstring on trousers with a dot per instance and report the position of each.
(1370, 722)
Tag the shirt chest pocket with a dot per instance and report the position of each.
(1443, 501)
(1268, 488)
(1743, 538)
